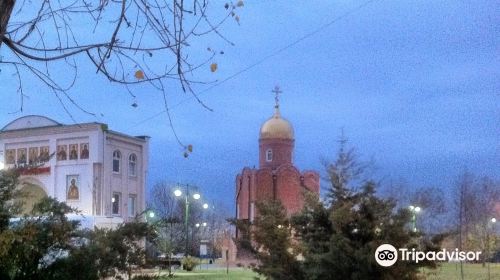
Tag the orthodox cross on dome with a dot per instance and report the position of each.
(277, 92)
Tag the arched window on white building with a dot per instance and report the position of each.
(116, 161)
(132, 165)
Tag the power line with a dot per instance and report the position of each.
(262, 60)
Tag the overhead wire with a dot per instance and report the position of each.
(263, 59)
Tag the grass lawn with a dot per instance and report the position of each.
(234, 273)
(451, 271)
(446, 271)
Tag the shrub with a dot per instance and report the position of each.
(189, 263)
(146, 277)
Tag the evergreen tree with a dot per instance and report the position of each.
(339, 237)
(275, 250)
(336, 238)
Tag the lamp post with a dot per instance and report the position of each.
(149, 213)
(158, 222)
(414, 211)
(196, 196)
(491, 222)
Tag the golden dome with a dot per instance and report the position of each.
(276, 128)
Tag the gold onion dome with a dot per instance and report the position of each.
(276, 127)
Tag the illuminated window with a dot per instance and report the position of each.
(115, 200)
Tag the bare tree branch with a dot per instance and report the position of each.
(123, 40)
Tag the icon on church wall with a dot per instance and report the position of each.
(21, 156)
(73, 151)
(72, 183)
(44, 153)
(10, 156)
(33, 155)
(61, 152)
(84, 151)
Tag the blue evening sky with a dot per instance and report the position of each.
(414, 84)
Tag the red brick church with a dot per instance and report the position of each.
(277, 177)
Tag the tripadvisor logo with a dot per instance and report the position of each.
(387, 255)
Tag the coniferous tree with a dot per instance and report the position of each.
(339, 237)
(336, 238)
(274, 247)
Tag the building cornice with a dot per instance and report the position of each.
(117, 136)
(50, 130)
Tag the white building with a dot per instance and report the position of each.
(99, 171)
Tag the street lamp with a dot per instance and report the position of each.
(196, 196)
(491, 222)
(414, 211)
(177, 193)
(149, 213)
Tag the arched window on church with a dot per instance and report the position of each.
(116, 161)
(269, 155)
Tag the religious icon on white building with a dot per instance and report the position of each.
(21, 156)
(10, 156)
(84, 151)
(72, 191)
(33, 155)
(61, 152)
(73, 151)
(44, 154)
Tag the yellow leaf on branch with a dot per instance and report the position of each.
(213, 67)
(139, 74)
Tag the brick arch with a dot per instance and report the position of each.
(264, 182)
(311, 181)
(289, 189)
(287, 168)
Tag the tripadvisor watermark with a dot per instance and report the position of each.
(387, 255)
